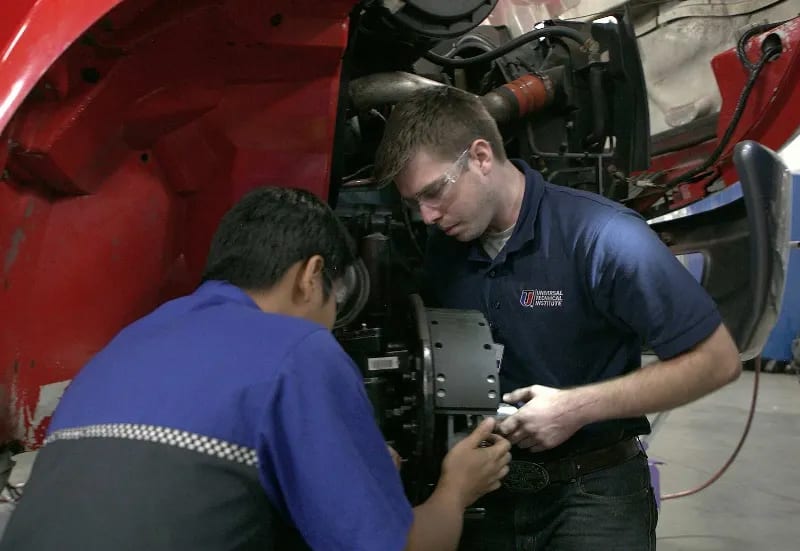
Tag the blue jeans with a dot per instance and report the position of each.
(613, 508)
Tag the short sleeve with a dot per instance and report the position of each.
(322, 458)
(638, 282)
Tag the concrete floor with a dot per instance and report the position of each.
(756, 503)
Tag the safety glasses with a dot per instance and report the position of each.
(433, 194)
(342, 287)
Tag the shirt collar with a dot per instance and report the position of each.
(226, 291)
(525, 228)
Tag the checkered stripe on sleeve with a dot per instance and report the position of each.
(161, 435)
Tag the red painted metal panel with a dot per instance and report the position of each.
(33, 33)
(127, 151)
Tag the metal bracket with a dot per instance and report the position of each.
(464, 361)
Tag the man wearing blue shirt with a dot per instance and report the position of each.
(572, 284)
(232, 419)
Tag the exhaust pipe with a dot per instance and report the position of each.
(526, 95)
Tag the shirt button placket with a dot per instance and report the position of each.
(492, 293)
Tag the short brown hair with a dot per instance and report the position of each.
(443, 121)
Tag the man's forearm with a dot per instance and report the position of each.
(437, 524)
(659, 386)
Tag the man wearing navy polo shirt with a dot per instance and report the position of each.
(232, 419)
(572, 285)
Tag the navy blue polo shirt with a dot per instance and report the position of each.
(580, 286)
(210, 424)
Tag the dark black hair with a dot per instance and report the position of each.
(269, 230)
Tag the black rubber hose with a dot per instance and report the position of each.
(766, 56)
(750, 33)
(598, 134)
(535, 34)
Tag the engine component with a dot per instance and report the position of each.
(430, 374)
(434, 19)
(387, 88)
(373, 249)
(566, 32)
(514, 100)
(569, 98)
(521, 97)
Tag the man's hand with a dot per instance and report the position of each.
(544, 422)
(473, 468)
(551, 416)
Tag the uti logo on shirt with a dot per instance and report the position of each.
(531, 298)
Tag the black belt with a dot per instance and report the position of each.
(526, 475)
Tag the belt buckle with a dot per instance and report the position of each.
(526, 477)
